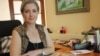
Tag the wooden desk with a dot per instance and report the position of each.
(65, 50)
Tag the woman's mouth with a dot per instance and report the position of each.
(31, 18)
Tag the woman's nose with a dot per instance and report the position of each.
(31, 14)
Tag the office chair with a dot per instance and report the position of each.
(6, 28)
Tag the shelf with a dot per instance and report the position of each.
(65, 36)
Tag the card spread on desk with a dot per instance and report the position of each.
(81, 51)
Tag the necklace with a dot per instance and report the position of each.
(35, 36)
(36, 44)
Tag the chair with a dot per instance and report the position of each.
(6, 28)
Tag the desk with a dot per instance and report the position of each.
(65, 50)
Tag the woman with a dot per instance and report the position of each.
(30, 39)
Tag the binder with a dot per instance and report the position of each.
(97, 41)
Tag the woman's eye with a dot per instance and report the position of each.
(26, 11)
(34, 10)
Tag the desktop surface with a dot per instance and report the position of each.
(66, 51)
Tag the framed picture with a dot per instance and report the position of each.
(72, 6)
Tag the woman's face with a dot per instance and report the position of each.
(30, 13)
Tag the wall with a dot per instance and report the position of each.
(75, 22)
(4, 10)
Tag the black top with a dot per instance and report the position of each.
(34, 46)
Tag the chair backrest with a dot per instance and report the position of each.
(7, 26)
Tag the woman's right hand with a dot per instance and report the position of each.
(34, 53)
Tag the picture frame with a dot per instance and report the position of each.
(72, 6)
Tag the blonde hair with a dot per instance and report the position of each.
(24, 2)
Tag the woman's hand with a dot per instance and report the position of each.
(34, 53)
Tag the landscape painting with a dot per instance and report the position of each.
(70, 5)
